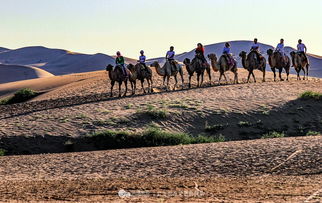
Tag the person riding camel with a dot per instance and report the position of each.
(301, 50)
(200, 53)
(170, 57)
(119, 61)
(255, 48)
(142, 59)
(227, 54)
(280, 48)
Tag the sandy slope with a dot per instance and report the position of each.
(276, 170)
(12, 73)
(48, 84)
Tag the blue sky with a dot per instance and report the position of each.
(105, 26)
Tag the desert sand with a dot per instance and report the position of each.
(275, 170)
(240, 170)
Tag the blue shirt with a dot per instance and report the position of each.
(142, 59)
(170, 54)
(226, 50)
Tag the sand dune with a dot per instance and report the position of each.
(12, 73)
(2, 49)
(48, 84)
(56, 61)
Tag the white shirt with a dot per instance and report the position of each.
(301, 47)
(280, 48)
(255, 46)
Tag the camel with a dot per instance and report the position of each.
(141, 74)
(276, 61)
(166, 72)
(116, 75)
(222, 66)
(300, 63)
(250, 63)
(196, 66)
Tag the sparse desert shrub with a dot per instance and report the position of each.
(157, 137)
(311, 95)
(273, 134)
(154, 113)
(2, 152)
(20, 96)
(312, 133)
(265, 112)
(214, 128)
(151, 137)
(179, 106)
(129, 106)
(244, 124)
(81, 116)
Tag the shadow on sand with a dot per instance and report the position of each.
(296, 118)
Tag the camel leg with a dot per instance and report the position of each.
(304, 73)
(225, 77)
(249, 73)
(182, 80)
(254, 76)
(209, 74)
(125, 82)
(198, 78)
(176, 82)
(298, 75)
(190, 81)
(280, 74)
(307, 71)
(142, 85)
(164, 77)
(264, 73)
(236, 78)
(131, 87)
(120, 84)
(202, 74)
(221, 74)
(287, 74)
(112, 85)
(273, 69)
(134, 87)
(151, 86)
(168, 81)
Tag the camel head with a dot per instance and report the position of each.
(186, 61)
(155, 64)
(242, 54)
(270, 52)
(130, 67)
(109, 67)
(212, 57)
(292, 54)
